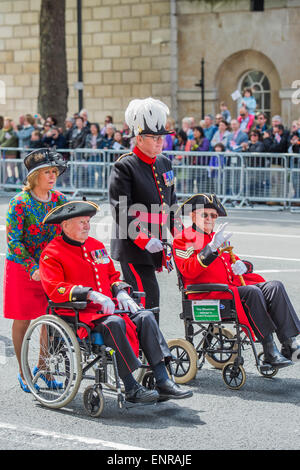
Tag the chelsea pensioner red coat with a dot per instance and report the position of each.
(198, 264)
(69, 271)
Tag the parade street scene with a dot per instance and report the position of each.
(264, 413)
(149, 228)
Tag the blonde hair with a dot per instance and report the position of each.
(30, 119)
(31, 180)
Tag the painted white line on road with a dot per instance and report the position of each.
(265, 219)
(279, 271)
(281, 235)
(267, 257)
(68, 437)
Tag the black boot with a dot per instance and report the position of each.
(272, 355)
(291, 349)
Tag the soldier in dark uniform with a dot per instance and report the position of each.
(143, 200)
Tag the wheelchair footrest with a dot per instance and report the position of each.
(265, 367)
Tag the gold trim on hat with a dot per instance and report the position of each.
(194, 195)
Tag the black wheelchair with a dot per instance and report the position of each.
(209, 336)
(51, 341)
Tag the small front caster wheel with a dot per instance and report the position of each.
(234, 376)
(93, 401)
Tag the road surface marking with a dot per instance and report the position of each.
(280, 235)
(68, 437)
(267, 257)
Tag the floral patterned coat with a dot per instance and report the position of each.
(26, 235)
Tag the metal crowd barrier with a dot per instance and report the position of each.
(238, 178)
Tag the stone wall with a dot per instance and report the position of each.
(125, 54)
(128, 50)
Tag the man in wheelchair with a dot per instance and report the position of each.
(76, 267)
(264, 306)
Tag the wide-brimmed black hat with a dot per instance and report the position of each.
(43, 158)
(205, 200)
(69, 210)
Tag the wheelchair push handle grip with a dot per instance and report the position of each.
(167, 245)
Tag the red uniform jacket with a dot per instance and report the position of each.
(69, 271)
(199, 265)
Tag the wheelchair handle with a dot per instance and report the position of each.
(167, 245)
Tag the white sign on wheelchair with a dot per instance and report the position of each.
(206, 310)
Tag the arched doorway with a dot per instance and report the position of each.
(235, 72)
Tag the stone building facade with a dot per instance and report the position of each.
(140, 48)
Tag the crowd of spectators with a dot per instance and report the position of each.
(248, 131)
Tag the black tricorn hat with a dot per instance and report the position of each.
(43, 158)
(69, 210)
(205, 200)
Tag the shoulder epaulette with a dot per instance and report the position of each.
(124, 155)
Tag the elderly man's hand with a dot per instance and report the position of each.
(219, 237)
(126, 302)
(107, 305)
(239, 268)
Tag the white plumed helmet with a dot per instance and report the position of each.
(147, 116)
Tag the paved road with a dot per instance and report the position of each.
(264, 414)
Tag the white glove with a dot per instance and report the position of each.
(126, 302)
(219, 237)
(154, 245)
(239, 268)
(107, 305)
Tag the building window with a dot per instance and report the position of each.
(257, 5)
(260, 86)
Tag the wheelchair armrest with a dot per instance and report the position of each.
(72, 305)
(195, 288)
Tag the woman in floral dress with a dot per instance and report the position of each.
(24, 298)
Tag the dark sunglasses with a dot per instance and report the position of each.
(205, 215)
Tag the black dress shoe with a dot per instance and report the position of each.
(291, 349)
(169, 390)
(140, 394)
(272, 356)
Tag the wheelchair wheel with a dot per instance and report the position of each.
(149, 380)
(234, 376)
(51, 344)
(266, 372)
(220, 340)
(93, 400)
(184, 360)
(138, 373)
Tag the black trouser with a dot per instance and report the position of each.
(152, 342)
(268, 309)
(142, 278)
